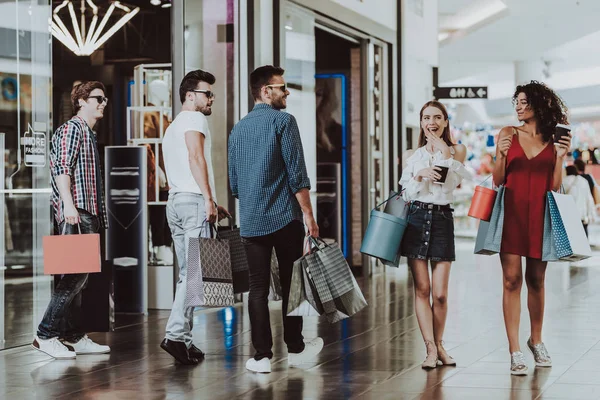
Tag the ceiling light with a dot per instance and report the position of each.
(155, 2)
(166, 5)
(85, 43)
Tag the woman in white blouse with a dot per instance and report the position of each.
(578, 187)
(429, 236)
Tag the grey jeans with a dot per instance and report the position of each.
(186, 215)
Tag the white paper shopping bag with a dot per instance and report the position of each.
(567, 229)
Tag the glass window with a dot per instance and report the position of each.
(210, 30)
(25, 128)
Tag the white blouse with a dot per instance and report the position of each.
(427, 191)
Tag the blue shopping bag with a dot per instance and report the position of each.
(570, 242)
(489, 234)
(548, 244)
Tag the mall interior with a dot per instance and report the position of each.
(358, 73)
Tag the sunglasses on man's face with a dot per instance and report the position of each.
(208, 93)
(279, 85)
(100, 99)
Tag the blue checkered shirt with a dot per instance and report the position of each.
(266, 170)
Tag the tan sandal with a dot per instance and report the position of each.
(431, 361)
(444, 357)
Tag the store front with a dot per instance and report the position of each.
(340, 82)
(339, 79)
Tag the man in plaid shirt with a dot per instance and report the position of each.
(78, 203)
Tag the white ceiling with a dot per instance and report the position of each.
(565, 32)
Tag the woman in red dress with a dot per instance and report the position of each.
(529, 165)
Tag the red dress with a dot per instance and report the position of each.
(526, 184)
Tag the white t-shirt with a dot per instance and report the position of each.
(175, 151)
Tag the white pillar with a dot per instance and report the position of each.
(526, 71)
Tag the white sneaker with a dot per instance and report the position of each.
(311, 349)
(53, 347)
(263, 366)
(85, 345)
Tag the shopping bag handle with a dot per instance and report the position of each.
(231, 225)
(312, 243)
(65, 227)
(211, 228)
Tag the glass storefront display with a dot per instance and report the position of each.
(25, 129)
(35, 99)
(211, 32)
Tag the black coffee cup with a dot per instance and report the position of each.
(444, 174)
(560, 131)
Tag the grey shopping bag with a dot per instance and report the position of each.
(239, 261)
(302, 300)
(489, 234)
(209, 280)
(275, 284)
(395, 205)
(335, 286)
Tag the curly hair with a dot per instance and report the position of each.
(548, 108)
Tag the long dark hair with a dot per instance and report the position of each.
(548, 108)
(446, 134)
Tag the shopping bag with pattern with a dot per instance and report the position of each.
(335, 286)
(302, 301)
(209, 280)
(275, 284)
(571, 243)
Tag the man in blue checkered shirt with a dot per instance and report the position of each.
(267, 173)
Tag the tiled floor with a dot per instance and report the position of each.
(375, 355)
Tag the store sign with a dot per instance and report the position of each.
(461, 92)
(35, 148)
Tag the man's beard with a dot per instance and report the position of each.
(206, 110)
(279, 104)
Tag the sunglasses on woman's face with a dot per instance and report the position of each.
(100, 99)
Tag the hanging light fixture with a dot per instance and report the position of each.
(85, 43)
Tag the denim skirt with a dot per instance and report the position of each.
(430, 233)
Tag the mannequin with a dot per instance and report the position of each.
(158, 94)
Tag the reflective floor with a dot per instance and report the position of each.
(375, 355)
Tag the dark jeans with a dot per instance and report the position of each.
(63, 315)
(288, 243)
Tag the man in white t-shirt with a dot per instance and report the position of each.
(192, 204)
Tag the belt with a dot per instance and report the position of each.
(428, 206)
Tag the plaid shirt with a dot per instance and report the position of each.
(74, 152)
(266, 170)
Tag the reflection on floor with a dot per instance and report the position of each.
(375, 355)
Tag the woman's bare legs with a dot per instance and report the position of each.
(535, 276)
(440, 278)
(423, 309)
(511, 299)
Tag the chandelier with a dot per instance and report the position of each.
(85, 43)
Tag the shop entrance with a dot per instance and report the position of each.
(337, 79)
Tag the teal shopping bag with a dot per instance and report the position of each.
(548, 244)
(489, 234)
